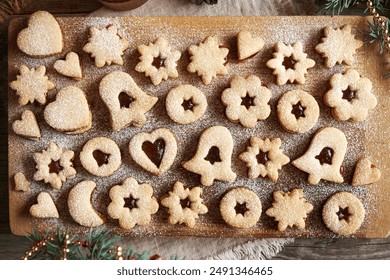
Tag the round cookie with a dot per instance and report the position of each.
(185, 104)
(298, 111)
(101, 156)
(343, 213)
(240, 207)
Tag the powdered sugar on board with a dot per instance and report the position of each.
(181, 33)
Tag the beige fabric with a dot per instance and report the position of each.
(213, 248)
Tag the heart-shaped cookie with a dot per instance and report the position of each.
(27, 126)
(248, 45)
(21, 183)
(45, 207)
(154, 152)
(69, 67)
(69, 113)
(42, 37)
(366, 173)
(126, 102)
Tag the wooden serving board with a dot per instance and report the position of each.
(370, 138)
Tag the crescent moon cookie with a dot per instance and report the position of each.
(45, 207)
(184, 205)
(343, 213)
(290, 63)
(32, 85)
(324, 157)
(298, 111)
(264, 158)
(155, 152)
(185, 104)
(101, 156)
(54, 165)
(106, 46)
(289, 209)
(350, 96)
(208, 59)
(240, 208)
(80, 205)
(126, 102)
(338, 45)
(132, 204)
(42, 37)
(246, 101)
(158, 61)
(213, 158)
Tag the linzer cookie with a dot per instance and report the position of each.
(70, 66)
(184, 205)
(45, 207)
(366, 173)
(125, 101)
(212, 160)
(290, 63)
(240, 207)
(158, 61)
(27, 126)
(246, 101)
(248, 45)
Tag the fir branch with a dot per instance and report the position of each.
(376, 35)
(335, 6)
(101, 244)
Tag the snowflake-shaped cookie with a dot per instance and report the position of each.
(32, 84)
(158, 61)
(106, 46)
(289, 209)
(132, 204)
(246, 101)
(350, 96)
(54, 165)
(264, 157)
(290, 63)
(338, 46)
(184, 205)
(208, 59)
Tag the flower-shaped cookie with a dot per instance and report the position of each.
(184, 205)
(290, 63)
(32, 84)
(289, 209)
(264, 157)
(350, 96)
(208, 59)
(338, 46)
(132, 204)
(246, 101)
(158, 61)
(106, 46)
(54, 165)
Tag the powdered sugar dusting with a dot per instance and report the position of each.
(180, 35)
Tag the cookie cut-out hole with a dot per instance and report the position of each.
(262, 157)
(213, 155)
(100, 157)
(55, 167)
(343, 214)
(154, 151)
(298, 110)
(241, 208)
(289, 62)
(325, 156)
(248, 101)
(125, 100)
(349, 94)
(188, 104)
(185, 203)
(131, 202)
(158, 62)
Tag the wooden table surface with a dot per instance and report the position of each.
(13, 247)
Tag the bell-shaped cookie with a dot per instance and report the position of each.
(324, 156)
(213, 159)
